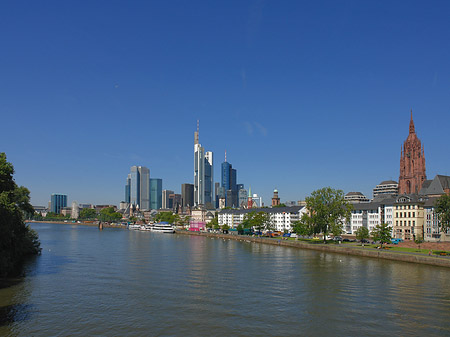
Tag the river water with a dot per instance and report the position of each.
(118, 282)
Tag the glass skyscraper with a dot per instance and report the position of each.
(155, 193)
(58, 201)
(139, 187)
(203, 174)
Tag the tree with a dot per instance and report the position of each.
(304, 226)
(88, 213)
(165, 216)
(109, 214)
(213, 222)
(362, 233)
(225, 227)
(327, 211)
(257, 220)
(382, 233)
(17, 240)
(280, 205)
(442, 207)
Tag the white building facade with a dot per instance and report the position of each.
(280, 217)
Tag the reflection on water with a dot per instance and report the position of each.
(118, 282)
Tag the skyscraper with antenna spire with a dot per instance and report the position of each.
(203, 173)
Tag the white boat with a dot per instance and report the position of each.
(135, 227)
(163, 227)
(146, 227)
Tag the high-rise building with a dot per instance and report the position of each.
(187, 195)
(229, 176)
(128, 189)
(58, 202)
(174, 201)
(412, 163)
(386, 188)
(155, 193)
(139, 187)
(166, 199)
(203, 173)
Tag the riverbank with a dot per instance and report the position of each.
(87, 223)
(434, 260)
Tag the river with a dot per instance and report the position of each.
(118, 282)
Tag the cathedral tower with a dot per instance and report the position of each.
(412, 163)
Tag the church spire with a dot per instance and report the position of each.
(411, 125)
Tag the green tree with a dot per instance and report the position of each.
(442, 207)
(165, 216)
(225, 227)
(362, 233)
(213, 222)
(109, 214)
(259, 221)
(88, 213)
(303, 227)
(327, 211)
(17, 240)
(280, 205)
(382, 233)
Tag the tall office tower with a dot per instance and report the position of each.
(216, 194)
(165, 199)
(229, 176)
(187, 195)
(412, 163)
(209, 178)
(242, 198)
(140, 187)
(127, 189)
(203, 173)
(232, 199)
(58, 202)
(174, 201)
(155, 193)
(240, 186)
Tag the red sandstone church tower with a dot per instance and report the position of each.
(412, 163)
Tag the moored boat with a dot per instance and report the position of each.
(163, 227)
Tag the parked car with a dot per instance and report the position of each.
(337, 238)
(346, 240)
(365, 241)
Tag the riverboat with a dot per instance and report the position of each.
(134, 227)
(163, 227)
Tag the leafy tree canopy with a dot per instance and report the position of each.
(280, 205)
(327, 211)
(382, 233)
(362, 233)
(165, 216)
(88, 213)
(17, 240)
(257, 220)
(442, 207)
(109, 214)
(304, 227)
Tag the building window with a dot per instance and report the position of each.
(414, 214)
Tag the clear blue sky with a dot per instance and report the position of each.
(301, 94)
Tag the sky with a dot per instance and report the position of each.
(301, 94)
